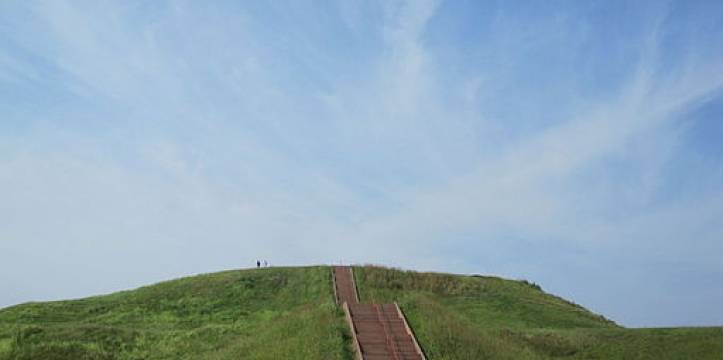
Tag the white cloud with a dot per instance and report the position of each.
(213, 157)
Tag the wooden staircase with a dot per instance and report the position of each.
(379, 331)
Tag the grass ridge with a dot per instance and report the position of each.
(290, 313)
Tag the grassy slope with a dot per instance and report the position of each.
(276, 313)
(288, 313)
(471, 317)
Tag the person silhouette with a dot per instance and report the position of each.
(258, 263)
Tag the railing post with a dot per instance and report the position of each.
(357, 347)
(410, 332)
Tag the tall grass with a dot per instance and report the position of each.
(274, 313)
(289, 313)
(479, 317)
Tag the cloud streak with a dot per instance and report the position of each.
(153, 140)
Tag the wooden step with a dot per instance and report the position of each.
(380, 331)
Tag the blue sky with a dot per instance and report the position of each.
(575, 144)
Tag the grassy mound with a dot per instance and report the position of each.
(289, 313)
(475, 317)
(275, 313)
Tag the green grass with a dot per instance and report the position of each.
(475, 317)
(289, 313)
(275, 313)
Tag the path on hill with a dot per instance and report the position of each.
(379, 331)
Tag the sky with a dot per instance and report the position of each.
(576, 144)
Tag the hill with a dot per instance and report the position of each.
(478, 317)
(289, 313)
(272, 313)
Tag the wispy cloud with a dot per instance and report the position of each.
(180, 138)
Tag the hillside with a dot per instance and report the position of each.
(477, 317)
(289, 313)
(272, 313)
